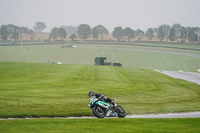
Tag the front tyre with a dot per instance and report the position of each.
(98, 112)
(121, 112)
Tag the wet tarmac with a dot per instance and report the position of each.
(188, 76)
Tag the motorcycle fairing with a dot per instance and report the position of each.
(94, 100)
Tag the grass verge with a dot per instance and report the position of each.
(145, 57)
(186, 125)
(36, 89)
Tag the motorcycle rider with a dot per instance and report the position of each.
(102, 97)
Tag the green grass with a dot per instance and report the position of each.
(145, 57)
(37, 89)
(186, 125)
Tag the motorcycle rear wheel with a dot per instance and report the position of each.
(98, 112)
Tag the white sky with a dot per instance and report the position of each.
(136, 14)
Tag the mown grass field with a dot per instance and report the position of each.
(145, 57)
(101, 125)
(38, 89)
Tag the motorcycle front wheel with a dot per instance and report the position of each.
(121, 112)
(98, 112)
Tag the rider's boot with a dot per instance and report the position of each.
(108, 112)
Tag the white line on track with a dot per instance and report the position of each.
(168, 115)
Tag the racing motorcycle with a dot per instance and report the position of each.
(103, 109)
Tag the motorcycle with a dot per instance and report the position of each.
(103, 109)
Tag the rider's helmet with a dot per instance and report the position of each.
(91, 93)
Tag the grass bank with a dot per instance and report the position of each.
(187, 125)
(139, 56)
(37, 89)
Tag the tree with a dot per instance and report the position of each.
(118, 33)
(58, 32)
(61, 33)
(198, 34)
(101, 30)
(166, 31)
(12, 30)
(39, 26)
(139, 34)
(150, 33)
(156, 33)
(54, 33)
(32, 35)
(22, 31)
(177, 29)
(73, 36)
(192, 36)
(84, 31)
(172, 34)
(163, 32)
(184, 34)
(130, 33)
(4, 32)
(95, 33)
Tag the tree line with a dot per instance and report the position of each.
(163, 33)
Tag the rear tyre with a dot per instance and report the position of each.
(121, 112)
(98, 112)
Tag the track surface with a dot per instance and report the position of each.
(169, 115)
(188, 76)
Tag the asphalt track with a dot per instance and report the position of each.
(168, 115)
(188, 76)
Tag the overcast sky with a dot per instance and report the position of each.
(136, 14)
